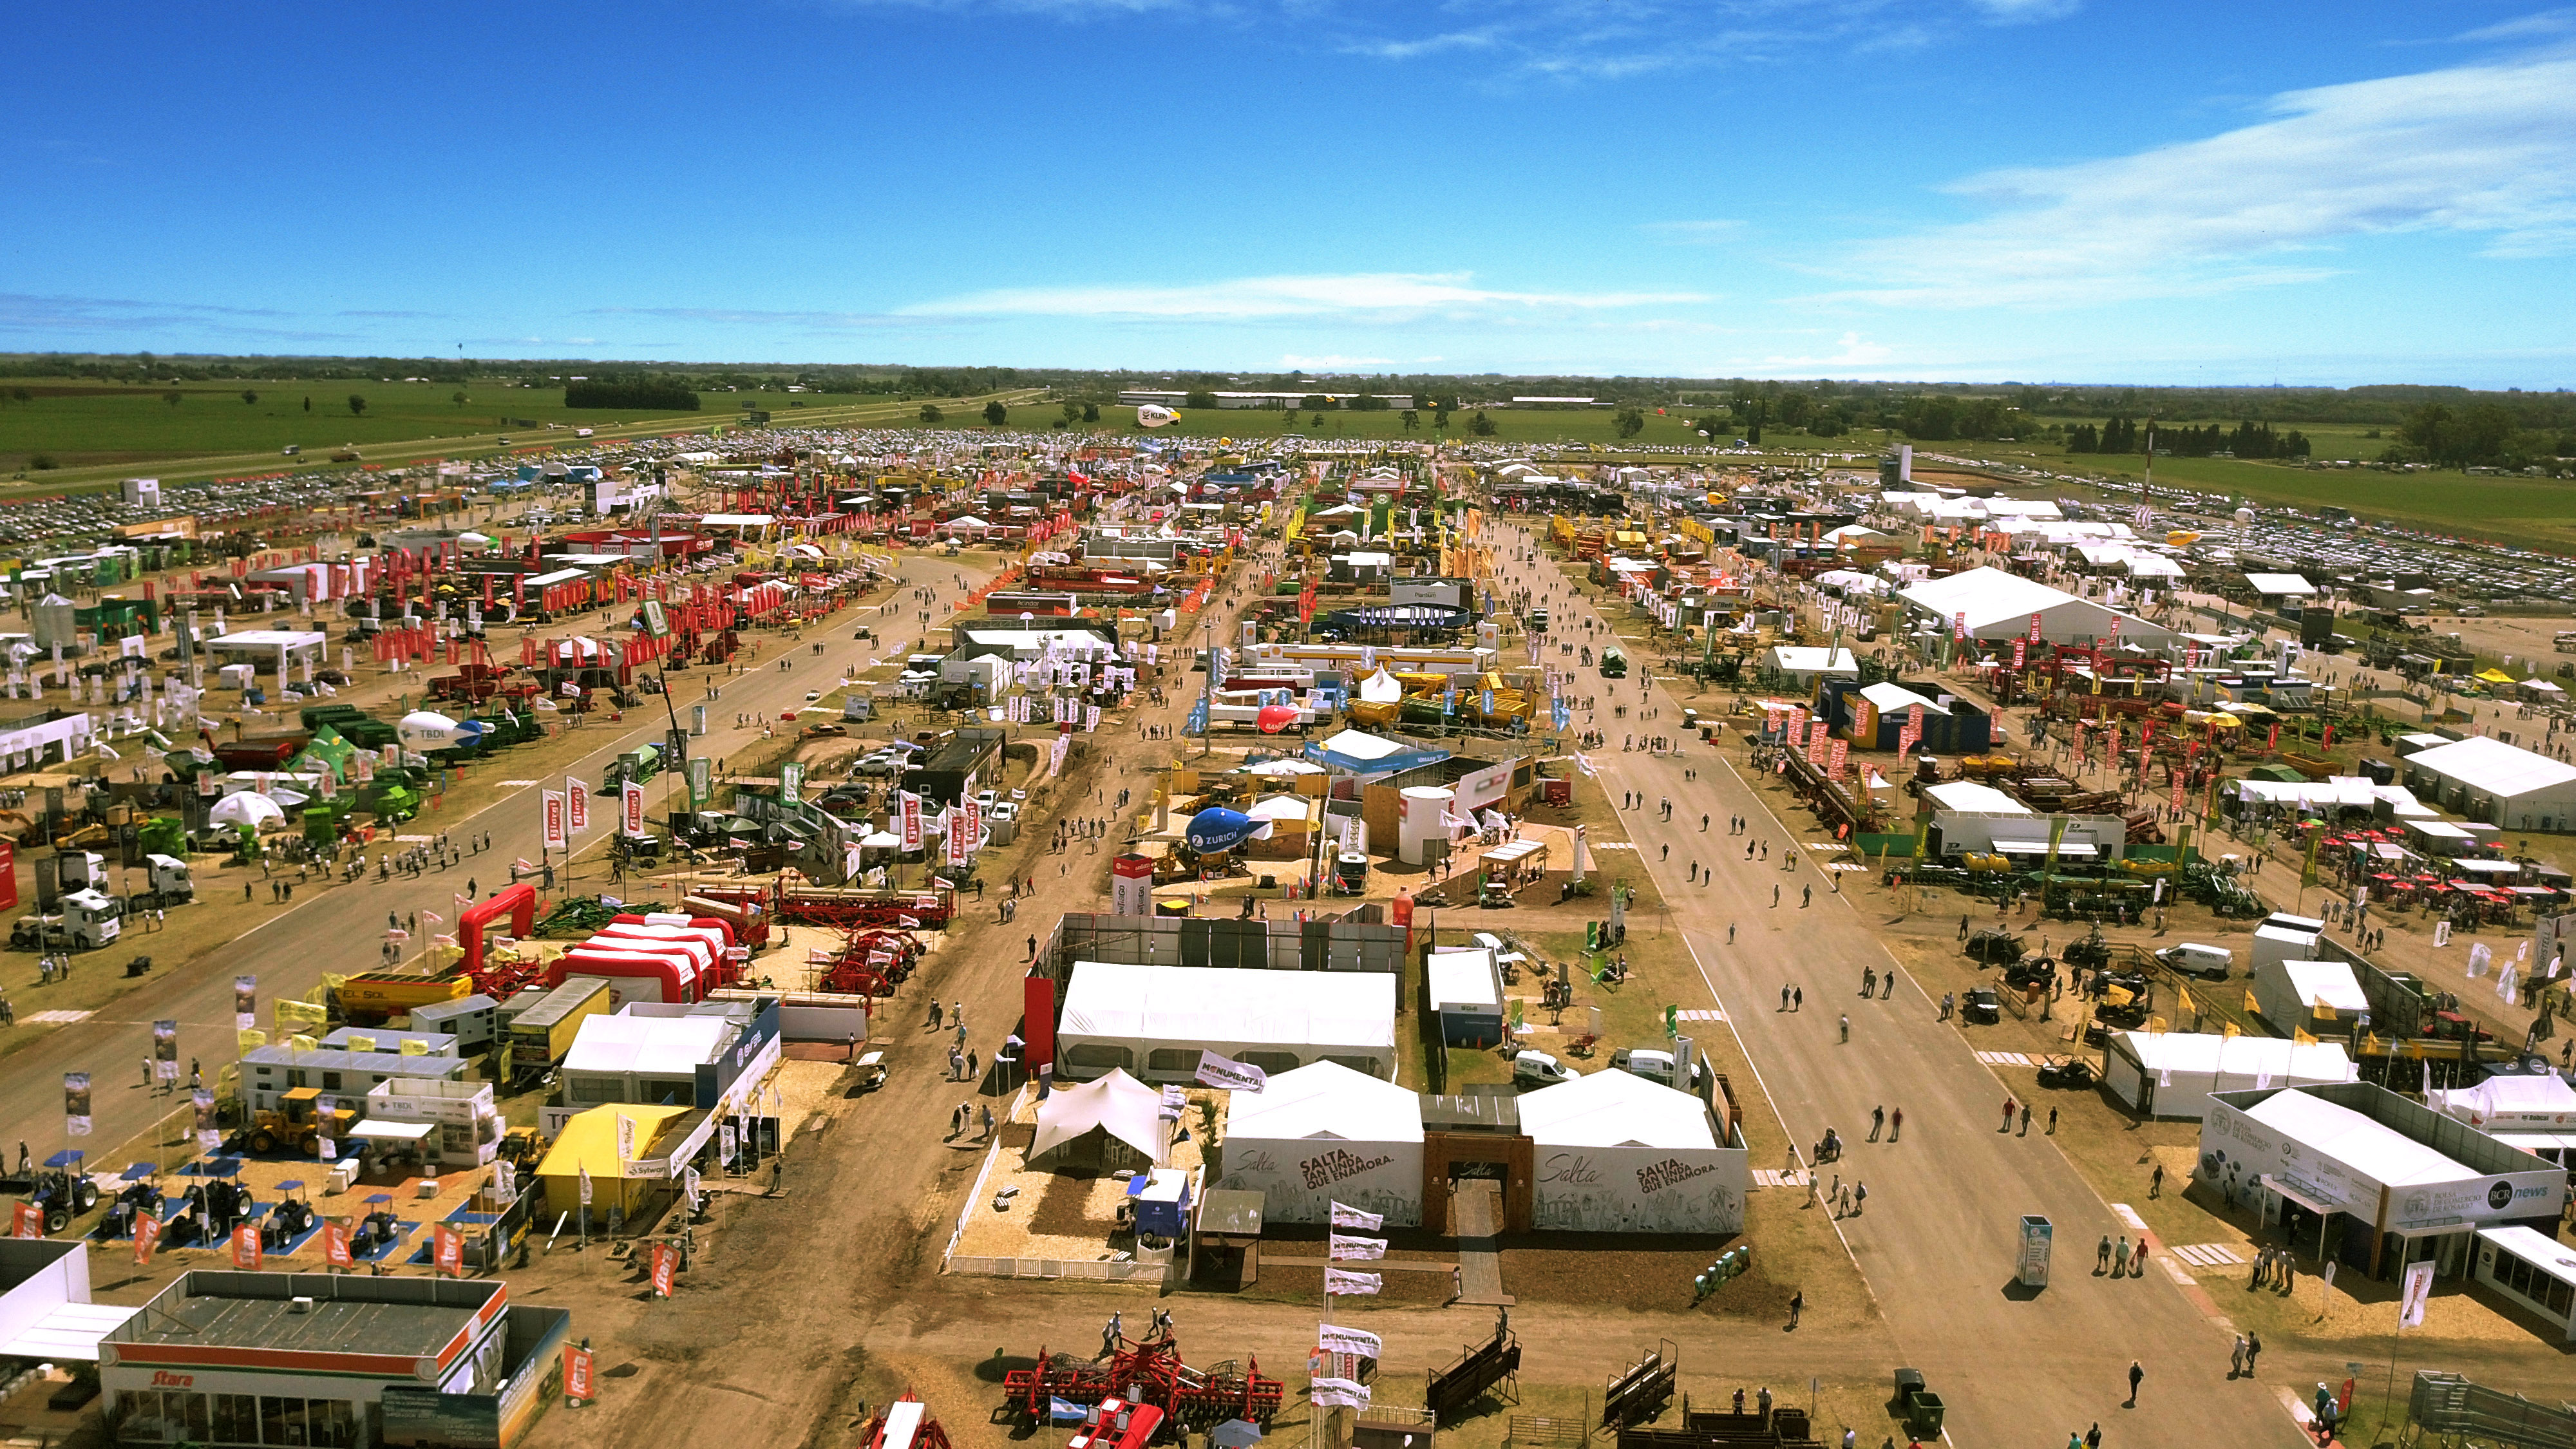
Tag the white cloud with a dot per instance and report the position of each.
(1333, 363)
(1384, 294)
(1851, 351)
(2526, 27)
(2483, 150)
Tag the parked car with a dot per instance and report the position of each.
(1982, 1006)
(1538, 1069)
(2209, 963)
(1652, 1063)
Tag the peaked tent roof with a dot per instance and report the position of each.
(1614, 1109)
(1117, 1103)
(1326, 1100)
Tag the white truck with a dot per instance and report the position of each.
(167, 884)
(1537, 1069)
(1652, 1063)
(87, 921)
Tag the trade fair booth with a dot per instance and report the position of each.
(2173, 1074)
(1153, 1021)
(1615, 1153)
(1324, 1134)
(2362, 1176)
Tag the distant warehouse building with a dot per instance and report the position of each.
(2486, 779)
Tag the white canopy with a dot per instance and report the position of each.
(1615, 1109)
(1231, 1010)
(247, 807)
(1326, 1100)
(1284, 768)
(1355, 745)
(2340, 1134)
(2537, 1103)
(1117, 1103)
(1381, 688)
(656, 1045)
(1280, 807)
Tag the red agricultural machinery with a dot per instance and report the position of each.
(870, 963)
(1150, 1372)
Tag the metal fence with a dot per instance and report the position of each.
(2449, 1404)
(1046, 1268)
(975, 1194)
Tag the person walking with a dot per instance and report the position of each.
(2156, 1182)
(2025, 1119)
(2102, 1254)
(2120, 1259)
(1797, 1305)
(1895, 1124)
(2236, 1359)
(2052, 1121)
(2138, 1263)
(2253, 1351)
(934, 1015)
(1877, 1120)
(1784, 998)
(1797, 999)
(2137, 1375)
(2009, 1104)
(2262, 1265)
(1860, 1195)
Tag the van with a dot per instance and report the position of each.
(1652, 1063)
(1538, 1069)
(2209, 963)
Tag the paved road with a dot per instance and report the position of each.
(1939, 1237)
(338, 929)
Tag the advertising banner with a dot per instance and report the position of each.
(246, 1251)
(666, 1264)
(577, 795)
(76, 1104)
(911, 821)
(633, 802)
(1347, 1249)
(335, 1243)
(556, 837)
(147, 1234)
(1641, 1190)
(1334, 1339)
(447, 1249)
(576, 1373)
(1338, 1282)
(1219, 1071)
(245, 1002)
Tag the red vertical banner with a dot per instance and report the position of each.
(447, 1251)
(576, 1372)
(1037, 1005)
(27, 1220)
(246, 1251)
(147, 1233)
(8, 872)
(335, 1244)
(666, 1264)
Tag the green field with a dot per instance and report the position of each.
(79, 423)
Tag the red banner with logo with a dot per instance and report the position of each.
(666, 1263)
(246, 1250)
(576, 1372)
(147, 1234)
(27, 1221)
(448, 1251)
(335, 1244)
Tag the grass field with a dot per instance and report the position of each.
(80, 423)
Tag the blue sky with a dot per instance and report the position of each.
(1952, 189)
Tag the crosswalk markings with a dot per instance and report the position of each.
(1611, 844)
(56, 1018)
(2209, 1255)
(2007, 1059)
(2129, 1215)
(1774, 1177)
(1700, 1014)
(2174, 1271)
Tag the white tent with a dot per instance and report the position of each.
(2542, 1103)
(1616, 1153)
(1998, 605)
(2171, 1074)
(248, 807)
(1614, 1109)
(2291, 994)
(1381, 688)
(1281, 807)
(1154, 1020)
(1282, 769)
(1322, 1134)
(1117, 1103)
